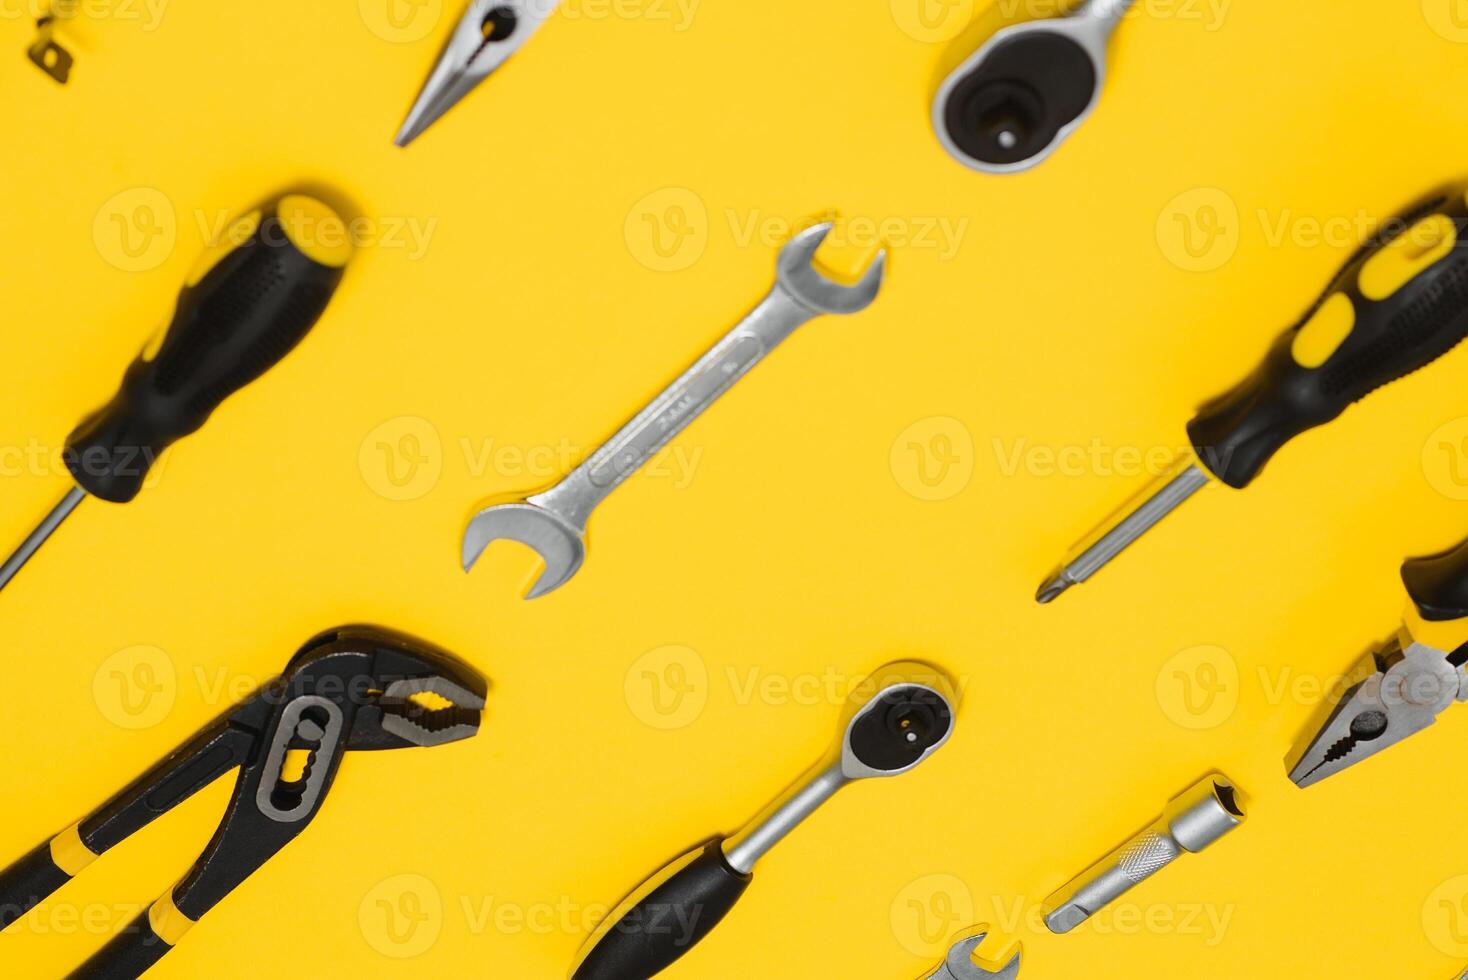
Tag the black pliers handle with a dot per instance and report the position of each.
(354, 688)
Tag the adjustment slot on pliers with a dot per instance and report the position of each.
(312, 724)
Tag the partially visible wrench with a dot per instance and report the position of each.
(960, 965)
(553, 523)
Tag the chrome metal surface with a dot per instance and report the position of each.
(38, 537)
(1125, 528)
(553, 523)
(838, 769)
(1091, 26)
(487, 35)
(1190, 823)
(1408, 685)
(959, 963)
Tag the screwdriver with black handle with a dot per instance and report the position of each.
(252, 297)
(1400, 303)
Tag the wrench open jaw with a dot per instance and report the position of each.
(552, 523)
(959, 964)
(806, 284)
(560, 544)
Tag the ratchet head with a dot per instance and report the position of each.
(1404, 687)
(960, 964)
(895, 719)
(560, 544)
(798, 275)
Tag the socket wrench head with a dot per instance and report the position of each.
(1203, 813)
(895, 719)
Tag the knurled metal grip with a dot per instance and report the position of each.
(1190, 822)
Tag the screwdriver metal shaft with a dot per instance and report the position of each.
(1399, 304)
(1112, 538)
(38, 537)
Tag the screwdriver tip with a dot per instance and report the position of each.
(1055, 587)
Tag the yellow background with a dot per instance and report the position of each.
(1070, 315)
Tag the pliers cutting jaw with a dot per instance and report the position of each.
(488, 34)
(357, 688)
(1404, 686)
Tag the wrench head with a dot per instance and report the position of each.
(560, 545)
(961, 966)
(800, 278)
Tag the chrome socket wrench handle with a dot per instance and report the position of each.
(894, 720)
(1191, 822)
(901, 715)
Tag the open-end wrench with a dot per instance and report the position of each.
(959, 963)
(553, 523)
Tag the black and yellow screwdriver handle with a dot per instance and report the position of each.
(1438, 588)
(1398, 305)
(251, 299)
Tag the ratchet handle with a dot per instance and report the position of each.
(254, 296)
(1398, 305)
(1438, 585)
(28, 882)
(128, 955)
(665, 918)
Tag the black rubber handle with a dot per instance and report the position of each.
(1393, 336)
(28, 882)
(127, 955)
(1439, 585)
(677, 911)
(268, 287)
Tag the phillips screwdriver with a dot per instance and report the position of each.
(252, 297)
(1400, 303)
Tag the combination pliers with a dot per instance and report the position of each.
(354, 688)
(1401, 688)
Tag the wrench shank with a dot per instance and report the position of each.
(776, 317)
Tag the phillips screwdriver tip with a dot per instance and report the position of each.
(1125, 527)
(1055, 586)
